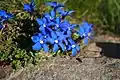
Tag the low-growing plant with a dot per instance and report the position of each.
(55, 31)
(50, 31)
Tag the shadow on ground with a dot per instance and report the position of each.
(109, 49)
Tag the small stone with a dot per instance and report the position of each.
(91, 51)
(92, 48)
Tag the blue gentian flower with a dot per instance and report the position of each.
(2, 13)
(67, 27)
(55, 5)
(56, 31)
(29, 7)
(75, 48)
(40, 42)
(57, 23)
(44, 25)
(85, 31)
(51, 16)
(64, 25)
(54, 40)
(64, 13)
(5, 16)
(62, 37)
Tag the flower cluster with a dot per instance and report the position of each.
(3, 17)
(55, 32)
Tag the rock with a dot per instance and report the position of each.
(91, 51)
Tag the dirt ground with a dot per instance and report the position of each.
(89, 65)
(71, 69)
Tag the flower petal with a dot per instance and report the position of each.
(35, 39)
(53, 35)
(69, 47)
(9, 15)
(66, 42)
(45, 47)
(69, 12)
(37, 46)
(44, 20)
(74, 52)
(85, 40)
(77, 48)
(2, 13)
(55, 48)
(27, 7)
(62, 46)
(50, 24)
(39, 21)
(71, 41)
(52, 4)
(81, 31)
(50, 40)
(42, 29)
(69, 32)
(58, 20)
(52, 13)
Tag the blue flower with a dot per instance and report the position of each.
(5, 16)
(56, 41)
(64, 13)
(57, 23)
(75, 48)
(2, 13)
(67, 27)
(40, 42)
(29, 7)
(55, 5)
(85, 31)
(62, 37)
(51, 16)
(44, 25)
(56, 32)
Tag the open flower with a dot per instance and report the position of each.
(55, 7)
(50, 16)
(44, 25)
(85, 31)
(62, 37)
(56, 41)
(67, 27)
(29, 7)
(57, 23)
(73, 46)
(40, 42)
